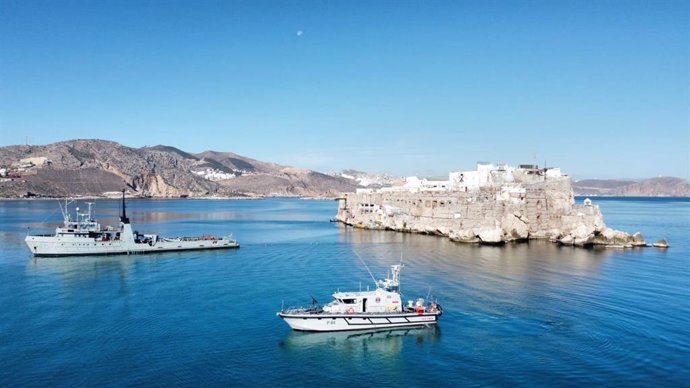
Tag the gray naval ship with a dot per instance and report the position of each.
(84, 236)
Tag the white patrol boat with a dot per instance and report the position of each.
(365, 310)
(84, 236)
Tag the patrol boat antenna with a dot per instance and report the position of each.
(365, 266)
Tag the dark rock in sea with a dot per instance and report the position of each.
(661, 244)
(566, 240)
(638, 240)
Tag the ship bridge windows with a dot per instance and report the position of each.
(349, 301)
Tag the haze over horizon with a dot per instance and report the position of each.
(599, 89)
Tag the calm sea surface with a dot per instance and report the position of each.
(521, 315)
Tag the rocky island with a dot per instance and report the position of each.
(493, 204)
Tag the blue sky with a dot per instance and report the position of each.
(600, 88)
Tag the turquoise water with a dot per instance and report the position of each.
(524, 315)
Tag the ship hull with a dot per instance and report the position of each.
(48, 246)
(351, 322)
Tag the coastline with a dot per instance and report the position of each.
(306, 198)
(211, 198)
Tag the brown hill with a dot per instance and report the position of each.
(236, 162)
(96, 167)
(653, 187)
(262, 178)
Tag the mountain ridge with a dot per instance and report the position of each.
(650, 187)
(94, 167)
(97, 167)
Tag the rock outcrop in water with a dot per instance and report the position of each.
(526, 204)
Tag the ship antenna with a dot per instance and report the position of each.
(65, 210)
(64, 214)
(124, 218)
(365, 266)
(90, 204)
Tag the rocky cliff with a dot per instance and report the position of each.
(97, 167)
(490, 215)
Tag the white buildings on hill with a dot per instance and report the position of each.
(486, 174)
(214, 175)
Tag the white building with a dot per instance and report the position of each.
(554, 172)
(486, 174)
(427, 185)
(214, 175)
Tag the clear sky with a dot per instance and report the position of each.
(599, 88)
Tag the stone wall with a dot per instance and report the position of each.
(543, 209)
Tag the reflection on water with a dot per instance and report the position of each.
(78, 268)
(82, 266)
(386, 343)
(513, 263)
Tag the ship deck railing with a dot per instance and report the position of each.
(320, 311)
(198, 238)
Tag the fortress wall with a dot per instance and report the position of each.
(542, 209)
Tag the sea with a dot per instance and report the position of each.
(521, 315)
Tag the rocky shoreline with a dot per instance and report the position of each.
(606, 238)
(540, 210)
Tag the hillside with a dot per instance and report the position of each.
(99, 167)
(653, 187)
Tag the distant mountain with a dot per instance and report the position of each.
(99, 167)
(653, 187)
(236, 162)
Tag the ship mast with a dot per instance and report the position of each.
(89, 215)
(123, 217)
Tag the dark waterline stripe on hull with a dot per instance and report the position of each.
(368, 324)
(363, 328)
(349, 323)
(387, 316)
(134, 252)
